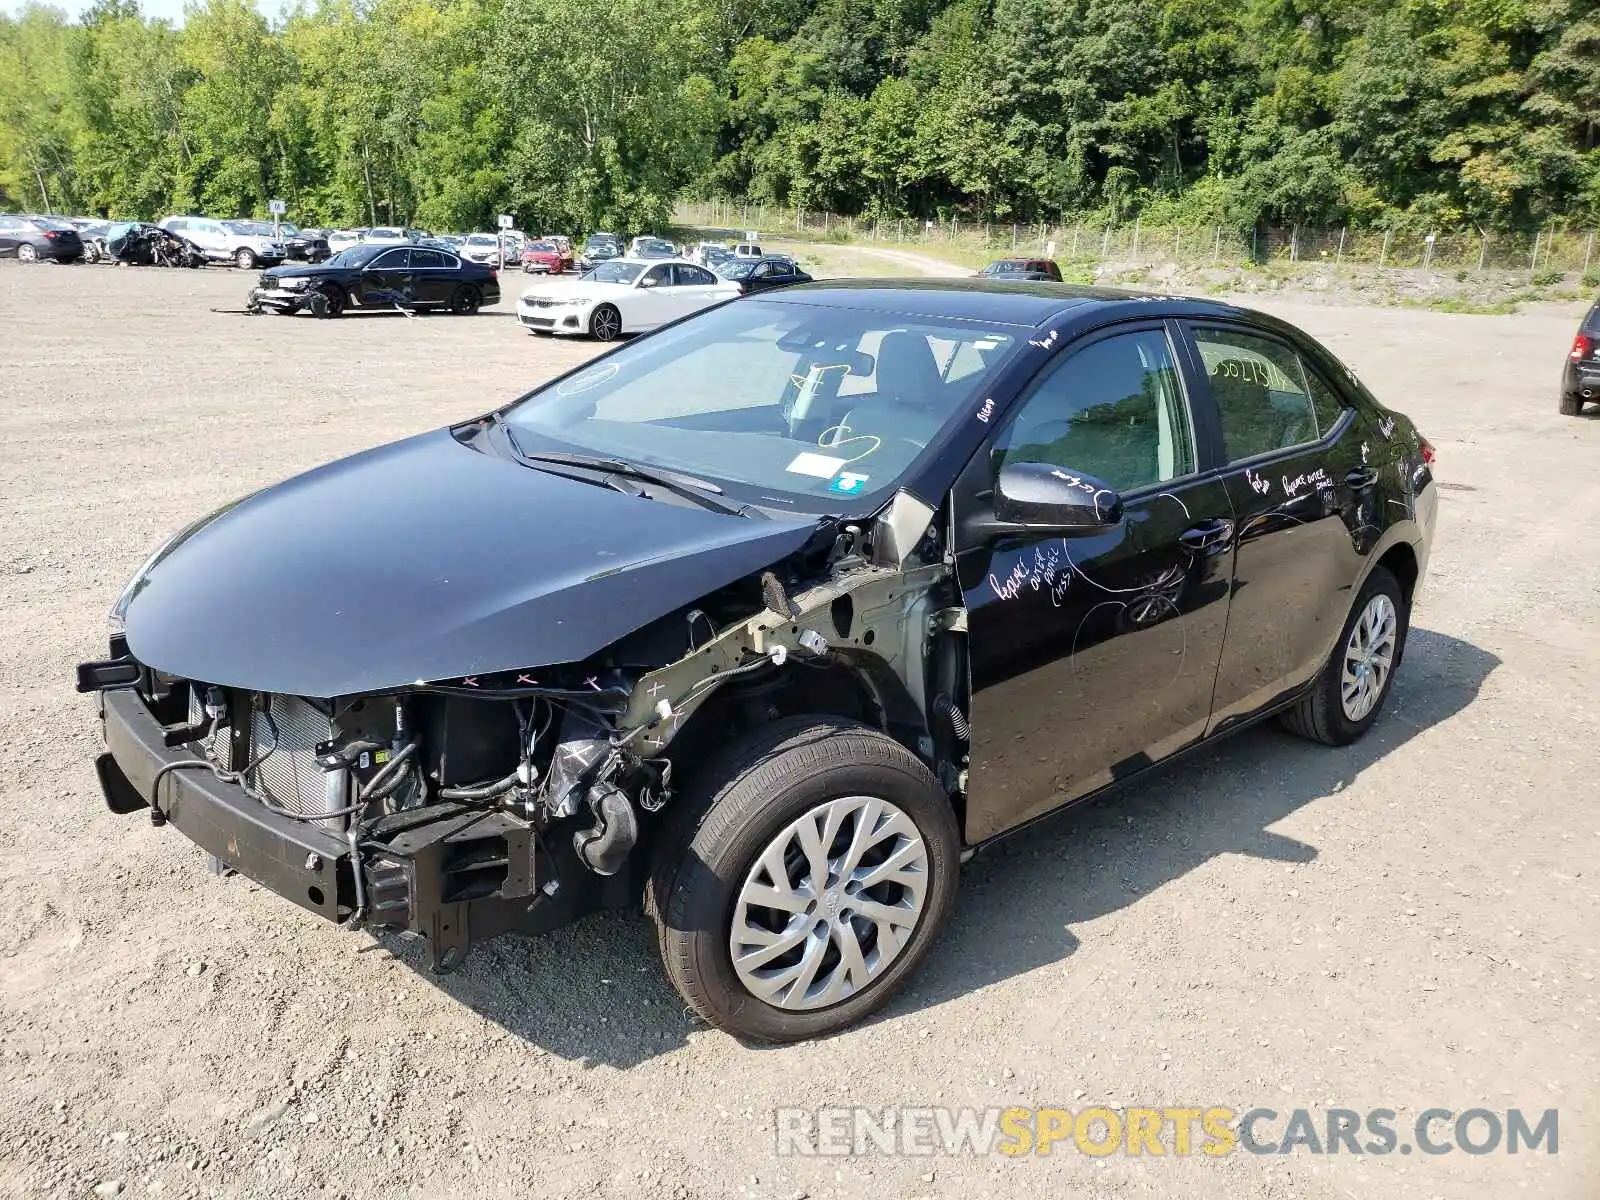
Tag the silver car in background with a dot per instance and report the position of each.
(481, 248)
(246, 244)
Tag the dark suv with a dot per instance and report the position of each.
(1580, 377)
(1032, 269)
(804, 599)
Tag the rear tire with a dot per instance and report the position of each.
(895, 850)
(1338, 710)
(26, 253)
(1571, 404)
(91, 253)
(605, 323)
(465, 300)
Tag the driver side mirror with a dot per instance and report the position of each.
(1030, 493)
(648, 282)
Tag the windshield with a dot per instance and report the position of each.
(482, 239)
(1004, 268)
(355, 256)
(735, 270)
(54, 223)
(384, 233)
(289, 230)
(614, 272)
(793, 405)
(541, 248)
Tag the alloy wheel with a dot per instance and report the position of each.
(830, 903)
(1368, 658)
(607, 323)
(27, 253)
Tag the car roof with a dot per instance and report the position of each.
(1026, 305)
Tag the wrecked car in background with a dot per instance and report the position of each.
(770, 617)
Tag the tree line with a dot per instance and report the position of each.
(583, 114)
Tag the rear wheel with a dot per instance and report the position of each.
(91, 253)
(26, 253)
(806, 876)
(606, 323)
(1571, 404)
(1350, 692)
(464, 301)
(244, 258)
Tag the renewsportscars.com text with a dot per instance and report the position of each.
(1207, 1131)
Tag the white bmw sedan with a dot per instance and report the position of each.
(625, 295)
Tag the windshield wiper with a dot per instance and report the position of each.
(700, 491)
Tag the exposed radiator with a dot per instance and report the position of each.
(289, 775)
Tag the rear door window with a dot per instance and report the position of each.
(1259, 390)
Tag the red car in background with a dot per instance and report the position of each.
(545, 258)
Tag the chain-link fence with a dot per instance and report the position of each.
(1555, 249)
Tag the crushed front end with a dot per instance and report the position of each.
(439, 813)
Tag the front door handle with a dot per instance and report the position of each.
(1361, 478)
(1208, 535)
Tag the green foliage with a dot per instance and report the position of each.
(1404, 114)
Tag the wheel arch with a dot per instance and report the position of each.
(855, 687)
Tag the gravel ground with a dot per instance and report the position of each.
(1405, 923)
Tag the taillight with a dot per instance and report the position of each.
(52, 234)
(1426, 447)
(1581, 347)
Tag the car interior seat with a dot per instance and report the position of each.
(909, 404)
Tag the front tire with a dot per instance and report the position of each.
(332, 302)
(244, 259)
(465, 300)
(806, 877)
(91, 253)
(1350, 692)
(605, 324)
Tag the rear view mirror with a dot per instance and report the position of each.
(1030, 493)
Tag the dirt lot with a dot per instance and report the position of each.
(1404, 924)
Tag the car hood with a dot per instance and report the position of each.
(421, 561)
(303, 270)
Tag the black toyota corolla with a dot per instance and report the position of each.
(769, 618)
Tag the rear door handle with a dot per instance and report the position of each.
(1209, 535)
(1361, 478)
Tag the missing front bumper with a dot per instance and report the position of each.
(453, 874)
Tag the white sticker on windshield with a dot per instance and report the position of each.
(819, 466)
(588, 379)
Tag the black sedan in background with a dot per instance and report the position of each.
(379, 276)
(761, 274)
(304, 245)
(1580, 379)
(34, 239)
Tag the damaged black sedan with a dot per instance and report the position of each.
(379, 276)
(770, 618)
